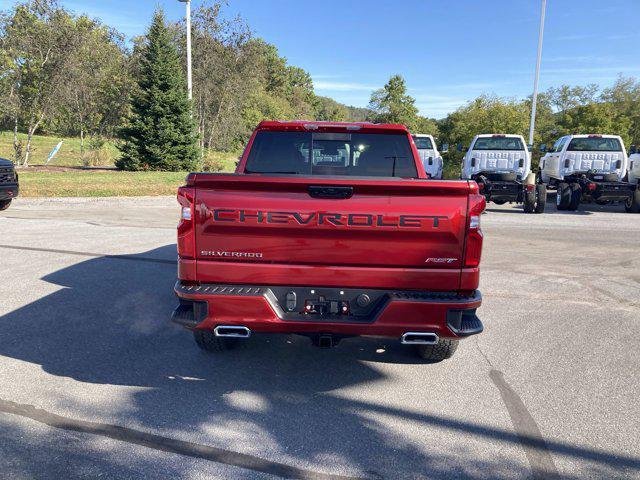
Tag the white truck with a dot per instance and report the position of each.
(633, 204)
(501, 165)
(431, 158)
(586, 168)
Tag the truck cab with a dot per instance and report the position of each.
(501, 165)
(8, 183)
(585, 168)
(428, 151)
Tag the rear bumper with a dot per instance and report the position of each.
(9, 190)
(613, 191)
(503, 191)
(271, 310)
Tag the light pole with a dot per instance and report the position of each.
(534, 100)
(189, 78)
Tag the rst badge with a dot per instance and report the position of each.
(445, 261)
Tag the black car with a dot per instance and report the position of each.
(8, 183)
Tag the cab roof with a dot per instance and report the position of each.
(592, 135)
(506, 135)
(311, 126)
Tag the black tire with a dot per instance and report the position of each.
(563, 196)
(499, 202)
(207, 340)
(575, 197)
(603, 202)
(529, 201)
(632, 205)
(541, 198)
(440, 351)
(4, 204)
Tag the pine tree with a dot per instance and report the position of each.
(160, 133)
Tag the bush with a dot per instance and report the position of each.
(99, 154)
(220, 161)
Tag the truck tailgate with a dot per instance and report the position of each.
(350, 232)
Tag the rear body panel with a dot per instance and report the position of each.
(496, 161)
(391, 233)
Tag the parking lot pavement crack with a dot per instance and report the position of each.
(166, 444)
(525, 426)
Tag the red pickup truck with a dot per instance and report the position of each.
(330, 230)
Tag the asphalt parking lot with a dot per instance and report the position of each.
(96, 383)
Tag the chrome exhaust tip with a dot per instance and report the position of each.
(232, 331)
(419, 338)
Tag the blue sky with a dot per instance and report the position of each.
(448, 51)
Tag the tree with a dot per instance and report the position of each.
(624, 96)
(93, 99)
(328, 109)
(392, 104)
(160, 133)
(35, 40)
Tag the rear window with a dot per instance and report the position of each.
(595, 144)
(309, 153)
(498, 143)
(423, 143)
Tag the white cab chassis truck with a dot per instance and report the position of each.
(633, 204)
(431, 158)
(585, 168)
(501, 165)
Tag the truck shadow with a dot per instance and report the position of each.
(108, 324)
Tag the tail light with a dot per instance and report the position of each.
(530, 187)
(592, 187)
(567, 162)
(619, 164)
(473, 162)
(473, 244)
(186, 227)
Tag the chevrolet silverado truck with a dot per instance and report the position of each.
(586, 168)
(501, 164)
(8, 183)
(329, 230)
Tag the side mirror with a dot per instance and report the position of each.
(444, 148)
(543, 148)
(634, 150)
(461, 148)
(530, 147)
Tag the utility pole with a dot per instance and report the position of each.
(189, 76)
(534, 100)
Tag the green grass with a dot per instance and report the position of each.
(69, 154)
(41, 146)
(65, 182)
(76, 183)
